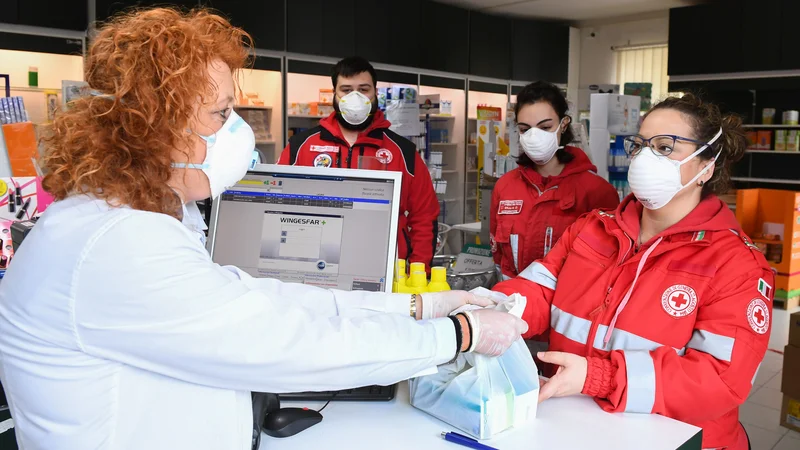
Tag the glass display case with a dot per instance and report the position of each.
(260, 103)
(445, 134)
(480, 94)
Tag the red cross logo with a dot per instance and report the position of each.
(759, 316)
(679, 300)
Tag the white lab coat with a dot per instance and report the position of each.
(118, 332)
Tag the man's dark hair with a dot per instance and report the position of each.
(353, 66)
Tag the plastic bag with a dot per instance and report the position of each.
(480, 395)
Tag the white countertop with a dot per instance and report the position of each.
(563, 423)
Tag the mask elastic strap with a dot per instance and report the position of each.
(705, 169)
(178, 165)
(703, 148)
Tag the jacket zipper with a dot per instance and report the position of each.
(596, 314)
(349, 157)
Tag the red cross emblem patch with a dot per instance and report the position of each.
(758, 316)
(679, 300)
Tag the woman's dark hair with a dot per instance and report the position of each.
(706, 121)
(542, 91)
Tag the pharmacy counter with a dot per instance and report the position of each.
(563, 423)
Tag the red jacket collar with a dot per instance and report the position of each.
(711, 214)
(373, 135)
(581, 163)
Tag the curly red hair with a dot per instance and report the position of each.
(152, 64)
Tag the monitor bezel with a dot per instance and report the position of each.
(395, 177)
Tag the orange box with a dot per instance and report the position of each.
(754, 207)
(764, 140)
(22, 150)
(752, 140)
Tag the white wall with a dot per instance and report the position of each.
(598, 64)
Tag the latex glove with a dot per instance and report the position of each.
(441, 304)
(494, 331)
(570, 377)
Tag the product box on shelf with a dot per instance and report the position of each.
(790, 381)
(765, 140)
(780, 140)
(752, 140)
(790, 413)
(794, 330)
(771, 218)
(793, 141)
(21, 146)
(430, 104)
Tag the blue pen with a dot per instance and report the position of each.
(465, 441)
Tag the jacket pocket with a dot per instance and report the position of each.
(503, 239)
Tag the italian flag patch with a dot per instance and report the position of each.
(764, 289)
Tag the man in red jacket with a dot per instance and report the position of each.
(357, 131)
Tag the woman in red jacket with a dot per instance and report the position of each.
(662, 306)
(553, 186)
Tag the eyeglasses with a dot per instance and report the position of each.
(663, 144)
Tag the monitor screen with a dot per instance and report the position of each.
(324, 227)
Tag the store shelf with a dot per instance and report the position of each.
(449, 199)
(472, 199)
(773, 152)
(437, 116)
(266, 108)
(444, 144)
(305, 116)
(32, 89)
(768, 241)
(265, 142)
(774, 126)
(449, 172)
(765, 180)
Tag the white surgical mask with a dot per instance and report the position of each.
(355, 108)
(656, 179)
(229, 153)
(540, 145)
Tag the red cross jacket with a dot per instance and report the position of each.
(677, 327)
(530, 213)
(325, 146)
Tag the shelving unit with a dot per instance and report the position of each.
(773, 126)
(305, 116)
(773, 152)
(766, 180)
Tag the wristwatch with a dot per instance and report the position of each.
(413, 309)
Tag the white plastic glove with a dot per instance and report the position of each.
(494, 331)
(441, 304)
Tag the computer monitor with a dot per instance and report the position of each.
(332, 228)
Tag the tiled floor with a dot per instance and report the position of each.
(761, 413)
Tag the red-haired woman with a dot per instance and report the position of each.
(116, 328)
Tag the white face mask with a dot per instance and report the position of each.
(656, 179)
(355, 108)
(540, 145)
(229, 153)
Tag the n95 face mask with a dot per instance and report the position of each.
(355, 108)
(540, 145)
(656, 179)
(229, 153)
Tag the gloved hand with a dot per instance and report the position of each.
(441, 304)
(494, 331)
